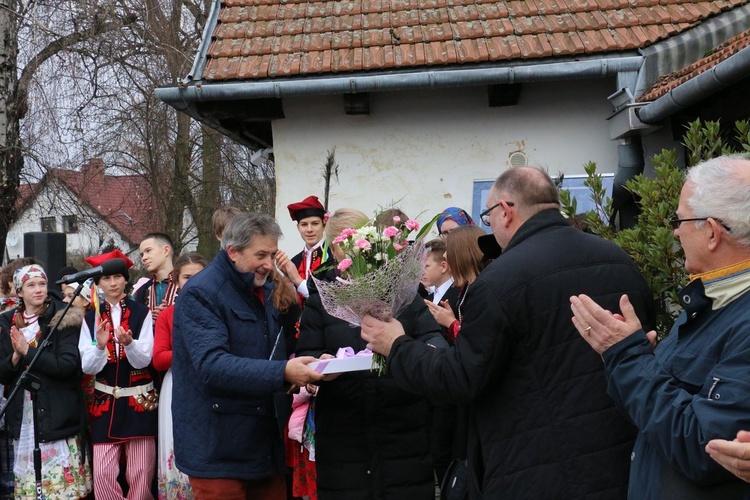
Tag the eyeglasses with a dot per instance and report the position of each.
(675, 222)
(485, 216)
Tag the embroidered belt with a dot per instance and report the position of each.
(124, 392)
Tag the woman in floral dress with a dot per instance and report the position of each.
(65, 473)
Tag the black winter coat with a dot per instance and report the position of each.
(371, 440)
(60, 398)
(542, 423)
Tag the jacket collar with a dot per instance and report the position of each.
(536, 223)
(243, 281)
(716, 288)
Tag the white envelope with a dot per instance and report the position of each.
(341, 365)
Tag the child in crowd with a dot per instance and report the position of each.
(466, 261)
(83, 300)
(157, 251)
(7, 289)
(173, 484)
(64, 468)
(310, 217)
(116, 343)
(451, 218)
(221, 218)
(437, 276)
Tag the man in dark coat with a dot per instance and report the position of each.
(541, 423)
(230, 365)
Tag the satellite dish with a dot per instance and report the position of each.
(12, 238)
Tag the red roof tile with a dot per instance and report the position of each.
(677, 78)
(125, 202)
(262, 38)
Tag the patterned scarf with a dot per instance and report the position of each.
(124, 323)
(169, 294)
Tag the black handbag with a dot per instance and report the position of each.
(455, 483)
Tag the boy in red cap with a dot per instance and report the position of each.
(310, 217)
(116, 344)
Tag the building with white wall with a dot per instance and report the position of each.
(425, 102)
(93, 209)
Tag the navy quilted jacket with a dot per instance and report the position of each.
(224, 416)
(693, 388)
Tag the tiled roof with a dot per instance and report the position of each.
(125, 202)
(256, 39)
(677, 78)
(26, 194)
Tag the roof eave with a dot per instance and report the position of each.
(506, 72)
(728, 72)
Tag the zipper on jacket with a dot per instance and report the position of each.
(716, 380)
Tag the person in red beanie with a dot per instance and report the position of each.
(116, 344)
(310, 216)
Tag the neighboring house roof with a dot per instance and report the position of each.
(256, 39)
(26, 195)
(125, 202)
(673, 80)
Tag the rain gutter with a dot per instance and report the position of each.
(182, 96)
(708, 83)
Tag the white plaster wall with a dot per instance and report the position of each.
(57, 201)
(424, 149)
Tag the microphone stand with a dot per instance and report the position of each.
(31, 383)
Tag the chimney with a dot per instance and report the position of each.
(95, 166)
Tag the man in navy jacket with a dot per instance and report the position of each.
(694, 386)
(229, 362)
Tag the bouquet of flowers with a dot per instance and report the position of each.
(379, 276)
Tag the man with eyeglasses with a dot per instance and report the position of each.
(542, 425)
(689, 395)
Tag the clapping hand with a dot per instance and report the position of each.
(20, 346)
(123, 337)
(102, 334)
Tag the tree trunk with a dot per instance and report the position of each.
(11, 159)
(176, 200)
(210, 196)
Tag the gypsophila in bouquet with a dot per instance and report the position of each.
(379, 276)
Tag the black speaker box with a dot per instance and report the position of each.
(49, 249)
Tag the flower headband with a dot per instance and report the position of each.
(24, 274)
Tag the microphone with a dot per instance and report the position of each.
(108, 268)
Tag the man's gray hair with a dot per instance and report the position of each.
(244, 227)
(721, 192)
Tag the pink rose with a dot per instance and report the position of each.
(397, 247)
(412, 225)
(390, 232)
(396, 219)
(345, 264)
(363, 243)
(339, 239)
(326, 216)
(348, 232)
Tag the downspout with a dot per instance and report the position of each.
(630, 163)
(708, 83)
(200, 58)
